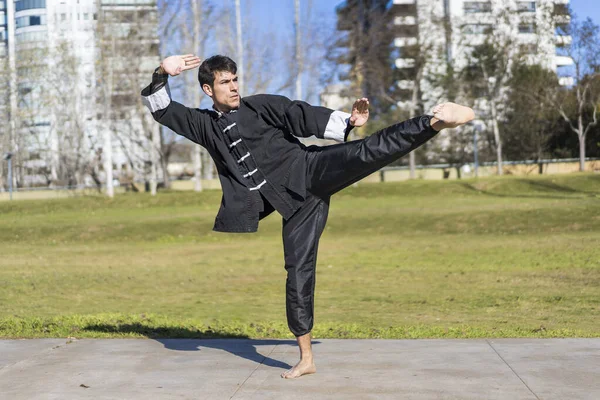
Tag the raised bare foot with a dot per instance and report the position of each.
(304, 367)
(453, 115)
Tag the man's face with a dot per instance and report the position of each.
(224, 91)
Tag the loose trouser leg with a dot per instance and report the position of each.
(332, 168)
(301, 235)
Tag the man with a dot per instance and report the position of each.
(263, 167)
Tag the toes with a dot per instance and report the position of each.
(287, 374)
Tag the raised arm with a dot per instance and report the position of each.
(157, 98)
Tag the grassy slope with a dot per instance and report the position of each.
(474, 258)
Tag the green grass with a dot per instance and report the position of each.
(497, 257)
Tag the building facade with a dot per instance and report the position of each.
(65, 73)
(449, 29)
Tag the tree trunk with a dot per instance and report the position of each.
(196, 44)
(165, 173)
(298, 51)
(496, 130)
(197, 168)
(415, 107)
(581, 153)
(108, 162)
(154, 146)
(240, 48)
(207, 165)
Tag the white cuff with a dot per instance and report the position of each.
(336, 126)
(159, 100)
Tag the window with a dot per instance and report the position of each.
(2, 36)
(29, 4)
(86, 16)
(477, 29)
(526, 6)
(530, 48)
(472, 7)
(2, 19)
(2, 4)
(527, 28)
(30, 36)
(31, 20)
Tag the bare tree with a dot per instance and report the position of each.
(239, 45)
(580, 111)
(4, 116)
(196, 34)
(123, 35)
(298, 50)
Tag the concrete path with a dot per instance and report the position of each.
(347, 369)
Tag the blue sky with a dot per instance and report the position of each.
(587, 8)
(280, 12)
(277, 17)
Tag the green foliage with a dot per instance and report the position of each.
(499, 257)
(531, 122)
(367, 48)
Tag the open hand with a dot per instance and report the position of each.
(360, 112)
(174, 65)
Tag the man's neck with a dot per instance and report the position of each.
(223, 110)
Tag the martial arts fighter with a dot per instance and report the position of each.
(263, 167)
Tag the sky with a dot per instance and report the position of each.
(278, 12)
(277, 17)
(587, 8)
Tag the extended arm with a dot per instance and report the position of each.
(340, 123)
(303, 120)
(157, 98)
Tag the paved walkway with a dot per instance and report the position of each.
(347, 369)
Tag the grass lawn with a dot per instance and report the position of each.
(496, 257)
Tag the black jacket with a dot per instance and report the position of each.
(267, 126)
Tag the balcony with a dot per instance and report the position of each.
(563, 61)
(405, 63)
(406, 85)
(405, 41)
(566, 81)
(405, 20)
(563, 40)
(562, 19)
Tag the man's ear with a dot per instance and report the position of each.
(207, 89)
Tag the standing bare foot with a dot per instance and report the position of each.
(452, 115)
(304, 367)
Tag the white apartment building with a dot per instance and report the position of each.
(53, 46)
(450, 28)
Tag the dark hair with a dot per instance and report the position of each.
(218, 63)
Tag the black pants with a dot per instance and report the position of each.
(331, 169)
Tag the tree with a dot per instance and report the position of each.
(488, 72)
(530, 121)
(579, 108)
(5, 131)
(367, 49)
(129, 34)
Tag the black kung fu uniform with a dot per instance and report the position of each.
(263, 167)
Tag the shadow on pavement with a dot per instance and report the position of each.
(183, 339)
